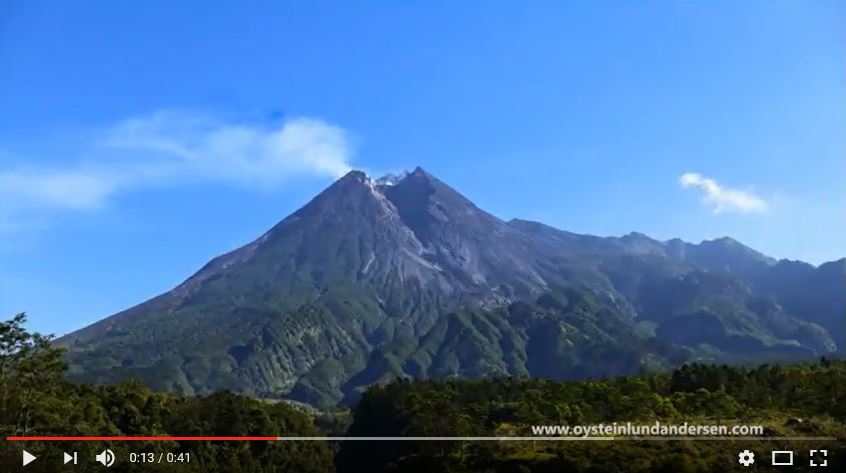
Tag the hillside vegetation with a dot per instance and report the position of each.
(789, 401)
(792, 400)
(371, 282)
(36, 400)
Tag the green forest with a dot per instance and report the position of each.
(789, 400)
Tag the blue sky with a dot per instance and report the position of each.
(138, 140)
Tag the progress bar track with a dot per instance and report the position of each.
(410, 439)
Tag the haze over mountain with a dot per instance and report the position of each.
(405, 277)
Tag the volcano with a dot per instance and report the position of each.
(403, 277)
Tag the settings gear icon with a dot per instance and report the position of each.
(746, 458)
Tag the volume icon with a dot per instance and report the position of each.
(70, 458)
(106, 457)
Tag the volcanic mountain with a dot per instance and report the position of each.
(404, 277)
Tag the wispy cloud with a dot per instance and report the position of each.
(198, 146)
(71, 190)
(171, 147)
(722, 198)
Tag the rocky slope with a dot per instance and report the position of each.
(405, 277)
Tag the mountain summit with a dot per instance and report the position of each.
(405, 277)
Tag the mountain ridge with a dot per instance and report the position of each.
(373, 280)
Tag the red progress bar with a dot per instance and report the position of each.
(140, 439)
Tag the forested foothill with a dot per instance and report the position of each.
(789, 400)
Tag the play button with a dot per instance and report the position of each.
(28, 458)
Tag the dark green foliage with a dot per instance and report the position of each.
(37, 401)
(796, 400)
(30, 368)
(793, 400)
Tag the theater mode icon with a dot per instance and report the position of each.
(782, 458)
